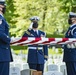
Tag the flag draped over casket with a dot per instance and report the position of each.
(41, 41)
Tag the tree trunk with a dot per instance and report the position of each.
(44, 15)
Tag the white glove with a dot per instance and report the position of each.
(44, 61)
(12, 39)
(72, 45)
(15, 39)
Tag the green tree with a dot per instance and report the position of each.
(9, 15)
(68, 5)
(51, 12)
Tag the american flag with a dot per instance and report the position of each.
(41, 41)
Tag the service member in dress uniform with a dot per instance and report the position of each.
(70, 49)
(37, 54)
(5, 52)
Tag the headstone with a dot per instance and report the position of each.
(50, 61)
(25, 66)
(14, 71)
(45, 66)
(18, 65)
(52, 67)
(63, 69)
(27, 72)
(11, 65)
(52, 73)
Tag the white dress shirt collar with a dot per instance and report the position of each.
(35, 30)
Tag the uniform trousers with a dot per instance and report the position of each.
(4, 68)
(71, 68)
(38, 67)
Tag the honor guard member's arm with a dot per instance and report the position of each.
(45, 49)
(3, 36)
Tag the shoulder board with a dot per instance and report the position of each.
(27, 32)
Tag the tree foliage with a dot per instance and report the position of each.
(53, 15)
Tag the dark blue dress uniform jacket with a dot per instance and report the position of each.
(70, 53)
(5, 52)
(36, 56)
